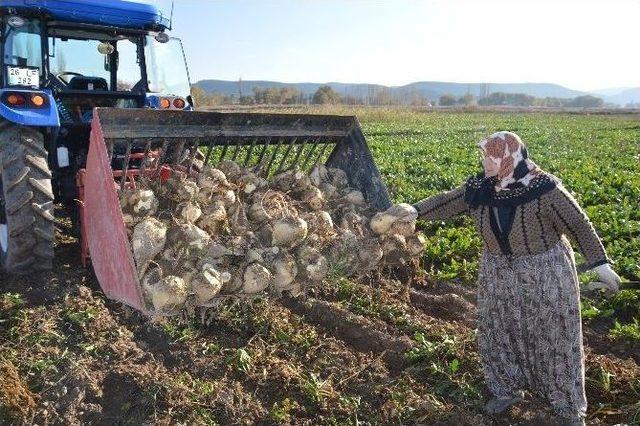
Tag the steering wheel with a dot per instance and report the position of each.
(59, 75)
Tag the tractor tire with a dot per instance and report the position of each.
(27, 233)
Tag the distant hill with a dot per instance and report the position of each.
(625, 97)
(428, 89)
(610, 91)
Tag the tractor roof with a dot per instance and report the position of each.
(117, 13)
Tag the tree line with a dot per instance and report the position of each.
(326, 95)
(522, 100)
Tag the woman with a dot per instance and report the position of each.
(529, 327)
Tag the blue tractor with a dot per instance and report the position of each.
(60, 60)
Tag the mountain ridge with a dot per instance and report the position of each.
(431, 90)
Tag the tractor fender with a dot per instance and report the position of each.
(47, 116)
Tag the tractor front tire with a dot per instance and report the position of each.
(27, 233)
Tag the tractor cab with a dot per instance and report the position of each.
(60, 60)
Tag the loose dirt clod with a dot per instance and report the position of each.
(229, 232)
(14, 393)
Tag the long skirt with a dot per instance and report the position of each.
(529, 327)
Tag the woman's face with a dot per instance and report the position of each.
(490, 166)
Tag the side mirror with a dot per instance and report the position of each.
(106, 48)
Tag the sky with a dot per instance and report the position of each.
(583, 45)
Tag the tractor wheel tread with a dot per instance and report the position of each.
(18, 178)
(9, 160)
(39, 163)
(44, 211)
(23, 227)
(28, 199)
(23, 264)
(25, 251)
(30, 141)
(24, 199)
(42, 188)
(43, 253)
(44, 234)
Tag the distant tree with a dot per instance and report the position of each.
(277, 96)
(467, 99)
(352, 100)
(289, 95)
(512, 99)
(587, 101)
(246, 100)
(383, 97)
(447, 100)
(219, 99)
(199, 96)
(325, 95)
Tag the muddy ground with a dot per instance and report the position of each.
(391, 349)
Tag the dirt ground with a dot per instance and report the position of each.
(389, 349)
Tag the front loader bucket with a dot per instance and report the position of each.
(127, 143)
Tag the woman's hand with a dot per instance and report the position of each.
(608, 276)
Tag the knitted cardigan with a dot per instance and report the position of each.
(542, 213)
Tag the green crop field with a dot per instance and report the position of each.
(388, 348)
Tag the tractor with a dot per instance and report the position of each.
(94, 96)
(60, 60)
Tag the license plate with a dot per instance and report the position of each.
(23, 76)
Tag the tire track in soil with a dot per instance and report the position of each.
(413, 303)
(447, 306)
(354, 330)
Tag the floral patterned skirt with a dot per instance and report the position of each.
(529, 327)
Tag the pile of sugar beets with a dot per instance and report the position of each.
(230, 233)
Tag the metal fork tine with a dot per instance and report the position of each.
(210, 146)
(194, 146)
(310, 153)
(163, 154)
(273, 156)
(143, 166)
(264, 150)
(125, 166)
(235, 153)
(286, 154)
(322, 150)
(110, 149)
(246, 159)
(300, 149)
(224, 149)
(178, 153)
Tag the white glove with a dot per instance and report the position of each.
(608, 276)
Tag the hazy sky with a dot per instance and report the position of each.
(583, 45)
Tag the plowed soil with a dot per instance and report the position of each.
(376, 351)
